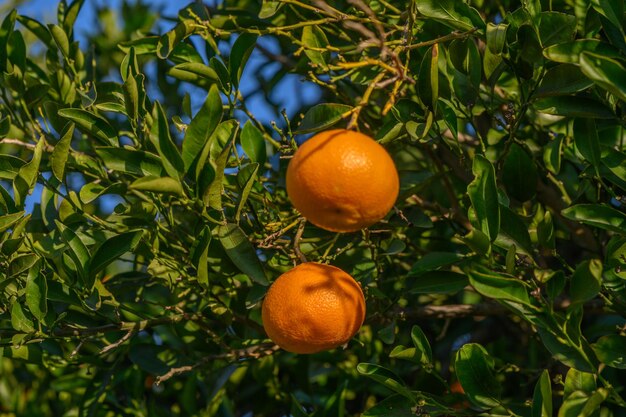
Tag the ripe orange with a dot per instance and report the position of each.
(342, 180)
(313, 307)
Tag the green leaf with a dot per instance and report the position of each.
(474, 369)
(519, 174)
(131, 161)
(61, 152)
(613, 11)
(562, 80)
(605, 72)
(555, 27)
(394, 406)
(438, 282)
(202, 127)
(420, 341)
(172, 39)
(6, 29)
(241, 252)
(611, 350)
(323, 116)
(513, 232)
(239, 54)
(194, 72)
(483, 194)
(552, 154)
(542, 398)
(162, 141)
(576, 380)
(145, 356)
(200, 256)
(19, 321)
(22, 263)
(477, 241)
(27, 175)
(78, 252)
(432, 261)
(112, 249)
(597, 215)
(36, 28)
(586, 281)
(269, 8)
(248, 176)
(61, 39)
(159, 185)
(570, 52)
(71, 14)
(496, 37)
(455, 14)
(91, 123)
(253, 143)
(36, 292)
(428, 78)
(573, 107)
(499, 287)
(386, 378)
(314, 39)
(8, 220)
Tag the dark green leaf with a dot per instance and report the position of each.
(6, 29)
(519, 174)
(314, 40)
(556, 28)
(241, 252)
(428, 78)
(61, 152)
(586, 281)
(569, 52)
(323, 116)
(27, 175)
(253, 143)
(36, 28)
(393, 406)
(432, 261)
(239, 54)
(112, 249)
(91, 123)
(247, 176)
(499, 287)
(576, 380)
(564, 79)
(61, 39)
(597, 215)
(552, 154)
(474, 368)
(483, 194)
(573, 107)
(420, 341)
(131, 161)
(496, 37)
(9, 220)
(269, 8)
(159, 185)
(202, 127)
(542, 398)
(194, 72)
(145, 356)
(78, 252)
(455, 14)
(608, 73)
(385, 377)
(611, 350)
(513, 232)
(438, 282)
(171, 39)
(19, 321)
(162, 141)
(36, 292)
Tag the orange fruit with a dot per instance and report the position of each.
(313, 307)
(342, 180)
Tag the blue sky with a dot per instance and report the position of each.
(290, 93)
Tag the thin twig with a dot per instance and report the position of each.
(296, 241)
(252, 352)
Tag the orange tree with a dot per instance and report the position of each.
(144, 214)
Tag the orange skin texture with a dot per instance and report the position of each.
(342, 181)
(313, 307)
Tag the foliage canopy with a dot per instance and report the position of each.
(143, 211)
